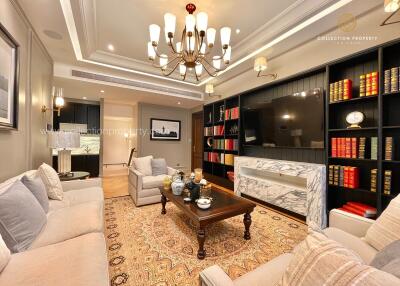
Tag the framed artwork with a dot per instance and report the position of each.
(165, 129)
(9, 72)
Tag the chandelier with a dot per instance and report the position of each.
(191, 52)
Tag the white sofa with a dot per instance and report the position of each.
(345, 228)
(144, 190)
(71, 249)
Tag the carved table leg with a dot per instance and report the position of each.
(201, 238)
(247, 223)
(163, 203)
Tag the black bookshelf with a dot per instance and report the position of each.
(381, 121)
(216, 171)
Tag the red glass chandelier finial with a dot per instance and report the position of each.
(190, 8)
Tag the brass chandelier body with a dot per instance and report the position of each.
(190, 54)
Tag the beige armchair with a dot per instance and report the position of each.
(144, 190)
(345, 228)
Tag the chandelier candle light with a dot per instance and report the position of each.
(195, 46)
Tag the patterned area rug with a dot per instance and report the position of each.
(147, 248)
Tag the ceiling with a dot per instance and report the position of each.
(77, 34)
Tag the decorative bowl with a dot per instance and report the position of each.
(204, 203)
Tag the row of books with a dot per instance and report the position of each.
(226, 144)
(217, 130)
(354, 147)
(389, 148)
(340, 90)
(392, 80)
(232, 113)
(369, 84)
(359, 209)
(387, 181)
(215, 157)
(344, 176)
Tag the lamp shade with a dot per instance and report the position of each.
(209, 88)
(63, 140)
(260, 64)
(170, 21)
(202, 19)
(211, 36)
(150, 51)
(391, 6)
(154, 33)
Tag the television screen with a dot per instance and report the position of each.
(295, 120)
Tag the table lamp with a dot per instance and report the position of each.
(63, 141)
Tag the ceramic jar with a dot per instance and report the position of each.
(177, 186)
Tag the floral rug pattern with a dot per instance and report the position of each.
(147, 248)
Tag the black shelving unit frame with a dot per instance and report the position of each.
(217, 172)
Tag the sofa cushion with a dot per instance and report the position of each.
(71, 222)
(386, 229)
(273, 269)
(21, 217)
(36, 186)
(51, 181)
(76, 197)
(388, 259)
(153, 181)
(359, 246)
(159, 167)
(143, 165)
(5, 254)
(321, 261)
(79, 261)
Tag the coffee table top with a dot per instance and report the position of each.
(224, 205)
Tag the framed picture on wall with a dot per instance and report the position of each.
(165, 129)
(9, 65)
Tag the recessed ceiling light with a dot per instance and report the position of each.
(237, 31)
(179, 102)
(102, 91)
(110, 47)
(84, 97)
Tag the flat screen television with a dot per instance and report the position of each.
(295, 120)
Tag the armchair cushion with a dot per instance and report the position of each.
(143, 165)
(388, 259)
(159, 167)
(215, 276)
(153, 181)
(358, 245)
(386, 229)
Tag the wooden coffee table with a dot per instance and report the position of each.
(223, 206)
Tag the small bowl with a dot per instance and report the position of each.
(203, 203)
(187, 200)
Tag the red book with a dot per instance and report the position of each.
(354, 147)
(353, 177)
(346, 177)
(352, 210)
(334, 153)
(363, 207)
(347, 89)
(347, 147)
(342, 147)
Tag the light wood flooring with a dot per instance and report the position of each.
(116, 186)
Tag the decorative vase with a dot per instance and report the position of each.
(167, 183)
(177, 186)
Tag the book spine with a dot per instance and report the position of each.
(347, 147)
(373, 180)
(368, 85)
(362, 85)
(341, 176)
(347, 89)
(334, 153)
(336, 175)
(346, 177)
(354, 147)
(330, 177)
(394, 79)
(386, 81)
(331, 92)
(389, 148)
(361, 148)
(374, 148)
(374, 83)
(387, 182)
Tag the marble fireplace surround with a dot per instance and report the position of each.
(295, 186)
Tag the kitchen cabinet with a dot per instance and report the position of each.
(79, 113)
(93, 119)
(85, 162)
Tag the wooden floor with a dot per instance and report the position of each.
(116, 186)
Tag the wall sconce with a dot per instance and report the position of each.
(391, 6)
(260, 65)
(57, 100)
(210, 90)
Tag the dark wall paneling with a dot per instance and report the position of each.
(297, 84)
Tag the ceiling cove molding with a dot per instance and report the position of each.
(89, 25)
(68, 14)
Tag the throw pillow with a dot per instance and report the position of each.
(386, 229)
(5, 254)
(321, 261)
(21, 217)
(36, 186)
(159, 167)
(143, 165)
(388, 259)
(51, 181)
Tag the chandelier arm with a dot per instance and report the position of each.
(209, 73)
(184, 76)
(174, 59)
(197, 78)
(156, 51)
(174, 52)
(169, 73)
(221, 57)
(216, 70)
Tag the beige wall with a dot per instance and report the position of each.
(26, 148)
(175, 152)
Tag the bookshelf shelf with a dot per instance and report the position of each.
(356, 99)
(352, 129)
(353, 159)
(391, 161)
(360, 190)
(389, 196)
(391, 127)
(391, 94)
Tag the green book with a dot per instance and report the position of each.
(374, 148)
